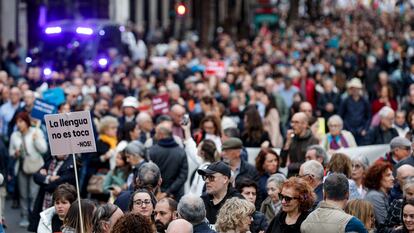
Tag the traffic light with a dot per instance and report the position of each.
(181, 9)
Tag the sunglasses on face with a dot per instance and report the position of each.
(287, 198)
(209, 178)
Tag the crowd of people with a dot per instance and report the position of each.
(188, 170)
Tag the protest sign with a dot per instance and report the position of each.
(70, 133)
(42, 108)
(160, 104)
(55, 96)
(215, 68)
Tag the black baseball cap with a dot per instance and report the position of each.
(216, 167)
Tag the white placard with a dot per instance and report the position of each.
(70, 133)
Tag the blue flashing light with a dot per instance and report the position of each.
(28, 60)
(53, 30)
(84, 30)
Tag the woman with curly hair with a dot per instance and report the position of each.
(132, 223)
(297, 198)
(235, 216)
(379, 181)
(254, 134)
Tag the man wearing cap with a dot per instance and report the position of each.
(356, 111)
(400, 150)
(231, 149)
(218, 188)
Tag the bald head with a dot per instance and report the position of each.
(176, 113)
(180, 226)
(404, 172)
(306, 108)
(299, 123)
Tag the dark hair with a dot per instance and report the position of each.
(130, 223)
(24, 116)
(253, 128)
(102, 213)
(216, 122)
(126, 169)
(232, 132)
(375, 174)
(261, 157)
(246, 182)
(336, 187)
(65, 192)
(405, 203)
(209, 150)
(131, 199)
(72, 217)
(304, 190)
(172, 204)
(271, 104)
(124, 133)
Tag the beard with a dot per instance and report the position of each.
(161, 228)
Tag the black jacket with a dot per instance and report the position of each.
(172, 161)
(4, 160)
(259, 222)
(278, 224)
(203, 228)
(211, 209)
(66, 174)
(377, 136)
(247, 171)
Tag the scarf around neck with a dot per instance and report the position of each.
(111, 141)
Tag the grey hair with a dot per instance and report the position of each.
(336, 187)
(143, 116)
(385, 111)
(148, 176)
(106, 121)
(314, 168)
(320, 152)
(409, 183)
(335, 118)
(361, 159)
(192, 209)
(278, 179)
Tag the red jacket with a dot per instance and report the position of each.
(309, 88)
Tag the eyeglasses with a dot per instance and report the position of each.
(356, 166)
(141, 202)
(209, 178)
(287, 198)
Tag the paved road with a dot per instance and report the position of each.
(12, 219)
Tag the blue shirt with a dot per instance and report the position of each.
(356, 114)
(355, 225)
(7, 111)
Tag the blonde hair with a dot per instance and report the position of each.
(363, 210)
(106, 122)
(232, 213)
